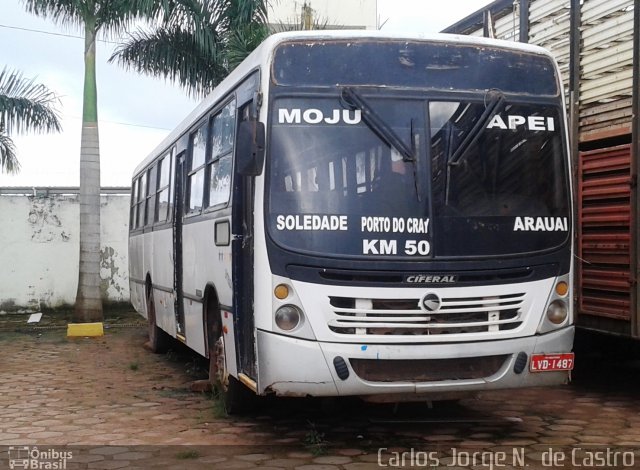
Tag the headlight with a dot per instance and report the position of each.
(557, 312)
(288, 317)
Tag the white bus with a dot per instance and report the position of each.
(364, 214)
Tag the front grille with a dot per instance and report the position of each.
(460, 315)
(427, 370)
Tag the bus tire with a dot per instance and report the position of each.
(159, 341)
(236, 397)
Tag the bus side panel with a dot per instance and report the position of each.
(263, 288)
(195, 253)
(147, 261)
(136, 278)
(194, 331)
(204, 263)
(162, 267)
(218, 270)
(161, 271)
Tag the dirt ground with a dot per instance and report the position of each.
(113, 404)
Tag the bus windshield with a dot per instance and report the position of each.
(339, 187)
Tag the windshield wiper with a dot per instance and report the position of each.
(495, 102)
(354, 101)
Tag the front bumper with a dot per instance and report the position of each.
(294, 367)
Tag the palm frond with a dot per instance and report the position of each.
(203, 19)
(26, 106)
(111, 17)
(63, 12)
(175, 55)
(118, 14)
(242, 42)
(195, 42)
(8, 160)
(243, 12)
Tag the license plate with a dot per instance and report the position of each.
(551, 362)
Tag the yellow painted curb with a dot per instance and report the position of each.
(85, 329)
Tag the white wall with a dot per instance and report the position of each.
(360, 14)
(39, 250)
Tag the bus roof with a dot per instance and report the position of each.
(262, 55)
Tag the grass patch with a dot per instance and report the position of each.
(172, 356)
(195, 368)
(134, 366)
(173, 393)
(187, 454)
(11, 335)
(314, 441)
(218, 410)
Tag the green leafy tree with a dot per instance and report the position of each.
(25, 106)
(95, 17)
(196, 43)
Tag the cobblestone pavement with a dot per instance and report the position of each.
(112, 404)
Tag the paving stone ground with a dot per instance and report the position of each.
(113, 404)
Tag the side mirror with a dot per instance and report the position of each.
(250, 148)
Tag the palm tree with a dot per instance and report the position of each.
(196, 42)
(25, 106)
(95, 17)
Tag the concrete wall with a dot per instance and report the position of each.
(360, 14)
(39, 250)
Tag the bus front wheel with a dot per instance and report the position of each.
(236, 398)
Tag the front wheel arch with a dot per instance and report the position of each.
(236, 397)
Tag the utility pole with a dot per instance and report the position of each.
(307, 17)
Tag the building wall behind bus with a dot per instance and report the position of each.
(354, 14)
(39, 244)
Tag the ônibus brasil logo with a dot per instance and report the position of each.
(25, 457)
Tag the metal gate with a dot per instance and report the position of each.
(604, 214)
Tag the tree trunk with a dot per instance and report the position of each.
(88, 306)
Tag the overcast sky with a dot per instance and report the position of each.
(135, 112)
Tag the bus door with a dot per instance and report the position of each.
(242, 255)
(178, 205)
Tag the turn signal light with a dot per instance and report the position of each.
(562, 288)
(281, 291)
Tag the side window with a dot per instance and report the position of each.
(162, 195)
(142, 194)
(195, 182)
(222, 138)
(134, 206)
(152, 182)
(172, 184)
